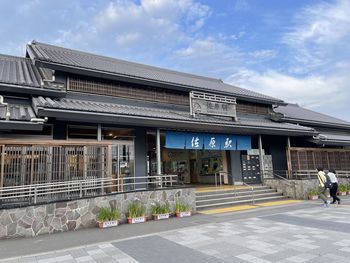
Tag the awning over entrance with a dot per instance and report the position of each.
(206, 141)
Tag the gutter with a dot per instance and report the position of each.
(20, 125)
(13, 88)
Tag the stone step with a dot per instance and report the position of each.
(233, 194)
(236, 198)
(228, 191)
(239, 202)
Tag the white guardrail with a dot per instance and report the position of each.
(46, 192)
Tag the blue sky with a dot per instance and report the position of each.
(295, 50)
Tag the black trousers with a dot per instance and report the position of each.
(333, 192)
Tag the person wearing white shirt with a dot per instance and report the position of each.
(334, 189)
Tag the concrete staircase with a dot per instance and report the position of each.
(215, 198)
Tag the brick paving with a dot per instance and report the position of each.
(314, 234)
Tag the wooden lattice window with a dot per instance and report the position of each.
(310, 159)
(251, 108)
(128, 91)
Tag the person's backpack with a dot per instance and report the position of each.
(328, 183)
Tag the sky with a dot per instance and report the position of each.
(295, 50)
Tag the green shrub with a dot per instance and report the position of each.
(342, 188)
(136, 209)
(347, 187)
(108, 214)
(312, 192)
(159, 208)
(182, 207)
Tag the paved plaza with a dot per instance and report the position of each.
(304, 232)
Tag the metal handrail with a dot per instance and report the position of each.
(288, 182)
(216, 180)
(253, 193)
(312, 174)
(79, 188)
(282, 178)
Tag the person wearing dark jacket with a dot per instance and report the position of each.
(334, 189)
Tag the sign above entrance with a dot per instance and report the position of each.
(207, 141)
(211, 104)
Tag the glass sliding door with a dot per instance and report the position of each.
(123, 157)
(123, 165)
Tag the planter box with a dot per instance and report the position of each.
(136, 220)
(107, 224)
(313, 197)
(341, 193)
(184, 214)
(161, 216)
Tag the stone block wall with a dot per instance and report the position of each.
(301, 186)
(73, 215)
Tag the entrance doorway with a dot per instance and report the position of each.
(123, 165)
(194, 166)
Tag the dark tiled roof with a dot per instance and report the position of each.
(295, 113)
(87, 61)
(18, 112)
(177, 115)
(21, 71)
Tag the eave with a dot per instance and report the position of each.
(84, 116)
(28, 90)
(20, 125)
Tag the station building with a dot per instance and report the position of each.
(70, 115)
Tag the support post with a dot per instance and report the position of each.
(159, 167)
(99, 132)
(2, 167)
(289, 172)
(261, 163)
(85, 166)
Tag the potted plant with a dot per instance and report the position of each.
(108, 217)
(160, 211)
(182, 209)
(312, 194)
(342, 189)
(348, 188)
(136, 212)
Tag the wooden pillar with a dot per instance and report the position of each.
(289, 164)
(99, 132)
(159, 159)
(224, 167)
(2, 166)
(261, 158)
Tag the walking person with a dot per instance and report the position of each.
(322, 180)
(333, 191)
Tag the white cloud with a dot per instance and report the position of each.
(130, 29)
(324, 23)
(326, 94)
(316, 69)
(209, 57)
(263, 54)
(319, 33)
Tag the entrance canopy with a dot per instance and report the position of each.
(206, 141)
